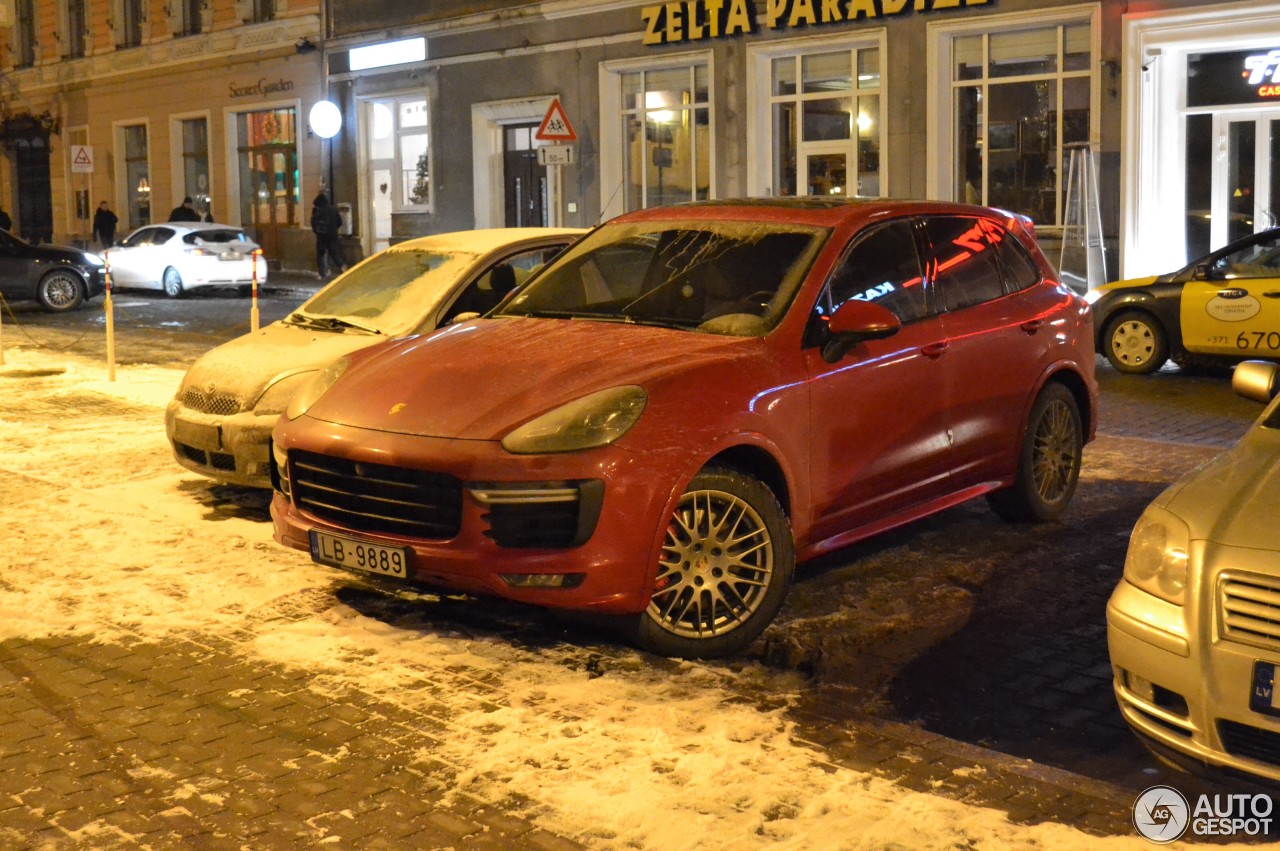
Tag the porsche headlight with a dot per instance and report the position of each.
(1157, 559)
(595, 420)
(277, 397)
(311, 392)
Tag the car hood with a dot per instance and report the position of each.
(481, 379)
(1234, 500)
(247, 365)
(1128, 283)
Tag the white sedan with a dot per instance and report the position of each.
(177, 257)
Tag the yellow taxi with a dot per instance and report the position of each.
(1223, 305)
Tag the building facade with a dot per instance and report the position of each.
(140, 103)
(1144, 130)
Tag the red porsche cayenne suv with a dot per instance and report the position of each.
(689, 401)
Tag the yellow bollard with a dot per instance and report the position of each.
(111, 325)
(253, 311)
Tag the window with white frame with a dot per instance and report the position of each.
(664, 119)
(24, 34)
(75, 23)
(399, 143)
(129, 16)
(826, 122)
(1022, 95)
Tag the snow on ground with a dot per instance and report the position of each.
(110, 540)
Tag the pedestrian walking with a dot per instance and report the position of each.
(104, 225)
(184, 212)
(326, 224)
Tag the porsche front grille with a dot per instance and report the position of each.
(376, 498)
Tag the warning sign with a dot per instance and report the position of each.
(555, 125)
(81, 159)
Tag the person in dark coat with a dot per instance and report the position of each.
(184, 212)
(104, 225)
(326, 224)
(6, 223)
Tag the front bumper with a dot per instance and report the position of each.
(1185, 692)
(232, 448)
(608, 560)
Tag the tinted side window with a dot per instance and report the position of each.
(883, 266)
(1020, 272)
(965, 268)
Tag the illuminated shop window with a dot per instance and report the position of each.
(194, 135)
(666, 135)
(1021, 96)
(825, 110)
(399, 149)
(269, 190)
(137, 174)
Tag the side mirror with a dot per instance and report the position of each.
(1200, 272)
(856, 321)
(1257, 380)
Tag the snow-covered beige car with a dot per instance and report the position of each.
(1194, 626)
(219, 423)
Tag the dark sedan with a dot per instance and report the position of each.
(57, 278)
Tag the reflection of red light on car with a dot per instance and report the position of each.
(689, 401)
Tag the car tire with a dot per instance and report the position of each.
(172, 282)
(60, 290)
(725, 568)
(1048, 462)
(1135, 342)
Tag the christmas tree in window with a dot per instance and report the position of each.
(421, 191)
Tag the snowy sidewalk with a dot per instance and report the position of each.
(170, 677)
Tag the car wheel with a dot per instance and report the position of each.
(172, 283)
(1049, 462)
(60, 290)
(725, 567)
(1136, 343)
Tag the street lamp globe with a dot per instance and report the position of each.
(325, 119)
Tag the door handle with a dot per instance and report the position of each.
(1032, 325)
(1271, 294)
(934, 350)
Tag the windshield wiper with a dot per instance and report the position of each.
(331, 323)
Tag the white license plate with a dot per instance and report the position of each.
(231, 255)
(339, 551)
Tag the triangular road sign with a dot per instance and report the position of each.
(555, 125)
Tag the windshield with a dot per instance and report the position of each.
(718, 277)
(392, 291)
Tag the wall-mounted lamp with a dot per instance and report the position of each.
(49, 122)
(304, 45)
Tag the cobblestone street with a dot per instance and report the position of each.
(960, 657)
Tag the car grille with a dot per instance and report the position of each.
(211, 402)
(1249, 742)
(376, 498)
(1249, 608)
(214, 460)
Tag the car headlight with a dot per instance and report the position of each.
(595, 420)
(277, 397)
(1157, 559)
(310, 392)
(94, 260)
